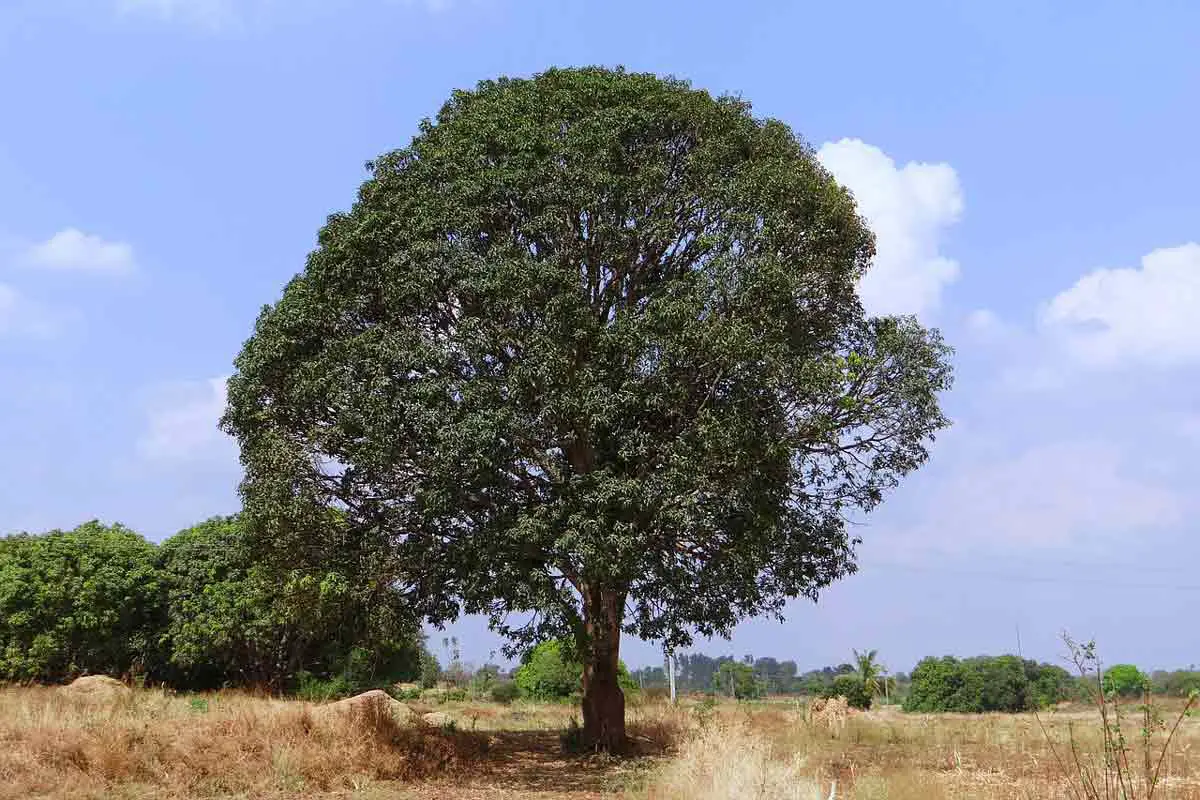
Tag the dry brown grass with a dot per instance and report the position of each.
(731, 761)
(56, 744)
(888, 755)
(225, 745)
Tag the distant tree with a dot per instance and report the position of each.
(850, 687)
(1002, 683)
(590, 344)
(941, 684)
(788, 672)
(1178, 683)
(738, 680)
(1049, 684)
(868, 670)
(430, 670)
(985, 683)
(1125, 680)
(696, 671)
(87, 600)
(766, 670)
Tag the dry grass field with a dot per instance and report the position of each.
(146, 744)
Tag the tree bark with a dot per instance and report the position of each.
(603, 700)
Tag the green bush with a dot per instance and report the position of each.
(548, 673)
(505, 692)
(851, 688)
(430, 671)
(552, 672)
(1125, 680)
(319, 690)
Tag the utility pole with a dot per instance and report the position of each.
(671, 674)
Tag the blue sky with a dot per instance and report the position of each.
(1031, 173)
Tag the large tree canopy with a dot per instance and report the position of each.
(589, 347)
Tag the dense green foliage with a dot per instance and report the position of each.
(852, 688)
(200, 611)
(1125, 680)
(76, 601)
(233, 620)
(589, 347)
(547, 673)
(553, 671)
(986, 683)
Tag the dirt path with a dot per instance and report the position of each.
(532, 765)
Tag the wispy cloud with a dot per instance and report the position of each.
(1050, 496)
(181, 425)
(72, 250)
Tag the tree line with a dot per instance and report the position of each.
(946, 684)
(199, 611)
(202, 610)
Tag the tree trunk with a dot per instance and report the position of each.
(603, 700)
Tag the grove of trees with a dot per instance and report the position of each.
(588, 349)
(986, 683)
(199, 611)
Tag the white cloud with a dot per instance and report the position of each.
(1118, 316)
(909, 209)
(1052, 495)
(75, 251)
(182, 424)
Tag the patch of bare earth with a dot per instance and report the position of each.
(531, 764)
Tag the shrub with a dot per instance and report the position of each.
(317, 690)
(551, 671)
(851, 688)
(505, 692)
(430, 670)
(1125, 680)
(548, 672)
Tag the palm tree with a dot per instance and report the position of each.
(868, 670)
